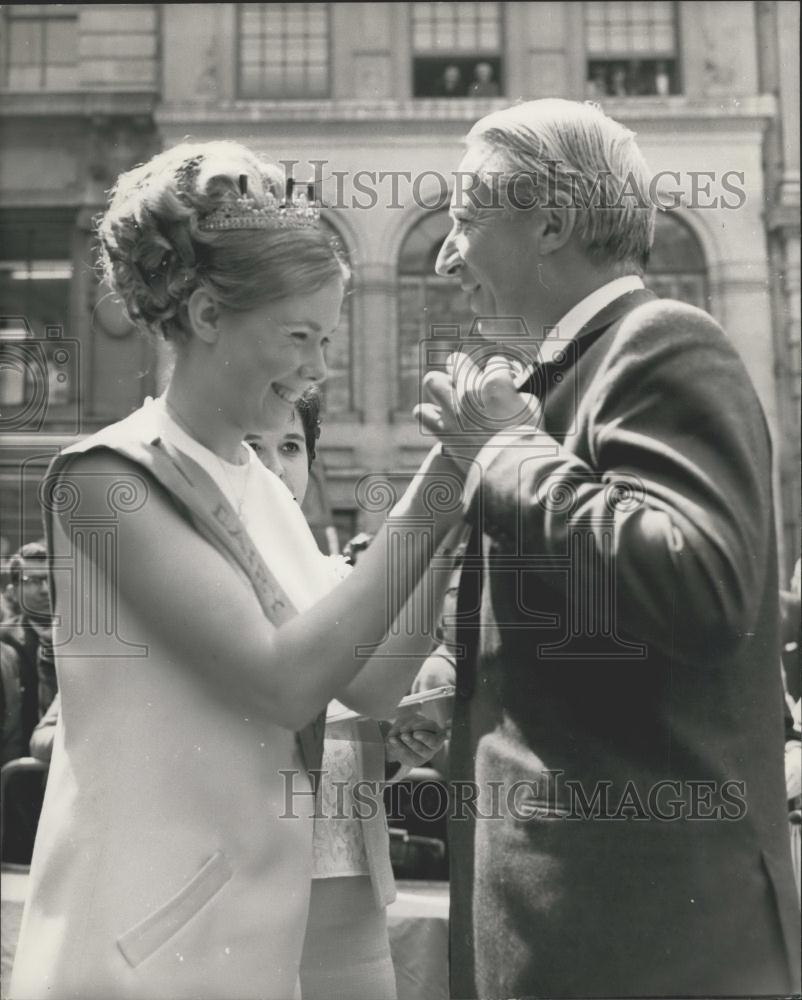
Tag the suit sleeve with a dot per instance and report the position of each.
(676, 491)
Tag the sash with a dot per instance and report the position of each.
(201, 502)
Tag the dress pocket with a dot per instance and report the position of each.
(142, 940)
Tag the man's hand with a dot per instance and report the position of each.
(414, 741)
(438, 670)
(470, 404)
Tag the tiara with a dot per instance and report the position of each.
(298, 210)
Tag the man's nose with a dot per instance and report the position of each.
(448, 260)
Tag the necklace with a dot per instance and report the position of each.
(239, 500)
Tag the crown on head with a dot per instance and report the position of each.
(298, 210)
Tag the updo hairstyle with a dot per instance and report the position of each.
(154, 255)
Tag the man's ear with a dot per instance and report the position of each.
(555, 227)
(204, 316)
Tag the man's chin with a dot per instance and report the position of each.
(482, 303)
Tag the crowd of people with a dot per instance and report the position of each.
(619, 815)
(631, 78)
(454, 83)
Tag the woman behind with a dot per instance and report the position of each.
(173, 857)
(346, 952)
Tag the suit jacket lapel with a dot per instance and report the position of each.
(542, 377)
(541, 383)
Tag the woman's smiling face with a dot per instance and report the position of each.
(269, 355)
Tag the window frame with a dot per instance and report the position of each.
(238, 60)
(700, 277)
(42, 15)
(49, 255)
(629, 57)
(422, 280)
(350, 411)
(499, 54)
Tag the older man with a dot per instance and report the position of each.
(619, 822)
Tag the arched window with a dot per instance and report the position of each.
(338, 387)
(677, 268)
(430, 308)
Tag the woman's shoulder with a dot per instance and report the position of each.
(141, 426)
(110, 468)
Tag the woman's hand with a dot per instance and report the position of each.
(414, 741)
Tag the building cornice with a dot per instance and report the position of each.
(77, 104)
(713, 112)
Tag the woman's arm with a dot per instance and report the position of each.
(189, 598)
(391, 670)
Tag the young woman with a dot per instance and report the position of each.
(174, 850)
(346, 952)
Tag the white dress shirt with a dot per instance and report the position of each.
(567, 329)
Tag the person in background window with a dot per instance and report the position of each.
(597, 84)
(483, 83)
(450, 84)
(662, 80)
(619, 86)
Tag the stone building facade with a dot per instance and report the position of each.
(375, 99)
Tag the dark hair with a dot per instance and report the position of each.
(308, 409)
(31, 551)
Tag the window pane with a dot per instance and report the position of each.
(456, 27)
(250, 50)
(39, 291)
(289, 44)
(25, 43)
(61, 77)
(25, 77)
(250, 81)
(337, 387)
(640, 28)
(61, 39)
(426, 302)
(317, 81)
(271, 79)
(677, 267)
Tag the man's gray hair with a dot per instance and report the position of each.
(574, 154)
